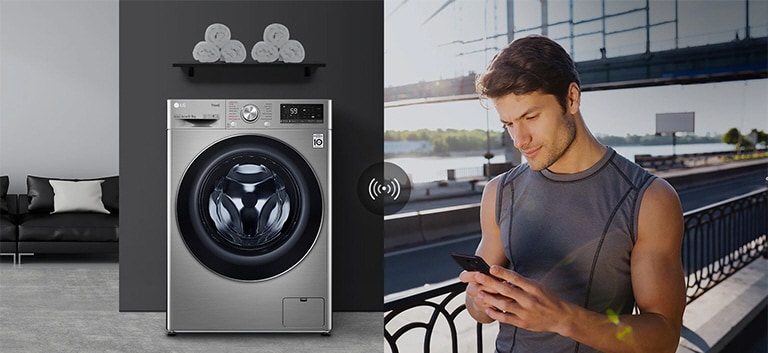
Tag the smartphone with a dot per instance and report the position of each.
(472, 263)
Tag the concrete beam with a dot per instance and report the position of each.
(714, 319)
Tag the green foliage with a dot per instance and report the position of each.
(747, 156)
(449, 140)
(762, 137)
(734, 137)
(452, 140)
(439, 145)
(650, 140)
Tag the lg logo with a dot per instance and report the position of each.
(318, 141)
(179, 105)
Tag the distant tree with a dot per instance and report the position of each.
(412, 136)
(762, 137)
(632, 139)
(390, 135)
(439, 145)
(733, 137)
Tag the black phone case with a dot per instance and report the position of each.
(472, 263)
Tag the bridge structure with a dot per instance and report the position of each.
(744, 56)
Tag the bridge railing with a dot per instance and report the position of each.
(719, 240)
(464, 173)
(690, 159)
(722, 238)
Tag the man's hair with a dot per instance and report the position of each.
(530, 64)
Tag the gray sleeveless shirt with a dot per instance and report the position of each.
(573, 233)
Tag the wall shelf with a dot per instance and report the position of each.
(191, 68)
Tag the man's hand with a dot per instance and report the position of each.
(474, 289)
(518, 301)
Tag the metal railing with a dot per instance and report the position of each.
(719, 240)
(441, 301)
(722, 238)
(464, 173)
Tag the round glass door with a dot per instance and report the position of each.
(249, 208)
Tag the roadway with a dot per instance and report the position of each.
(431, 263)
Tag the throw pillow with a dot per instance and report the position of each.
(4, 181)
(41, 194)
(77, 196)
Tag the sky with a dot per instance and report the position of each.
(419, 47)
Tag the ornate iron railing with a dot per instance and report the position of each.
(439, 300)
(719, 240)
(722, 238)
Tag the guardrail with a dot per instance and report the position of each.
(478, 172)
(719, 240)
(464, 173)
(687, 160)
(430, 225)
(709, 257)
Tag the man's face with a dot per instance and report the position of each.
(537, 124)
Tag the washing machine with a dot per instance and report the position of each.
(249, 216)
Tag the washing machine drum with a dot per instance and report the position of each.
(249, 208)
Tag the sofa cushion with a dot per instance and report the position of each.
(40, 193)
(4, 181)
(7, 228)
(77, 196)
(74, 226)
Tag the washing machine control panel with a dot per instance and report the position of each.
(261, 114)
(292, 113)
(249, 113)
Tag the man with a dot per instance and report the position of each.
(577, 236)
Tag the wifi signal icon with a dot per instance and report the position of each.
(384, 188)
(391, 189)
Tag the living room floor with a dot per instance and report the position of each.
(70, 304)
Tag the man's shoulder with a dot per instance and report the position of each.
(513, 173)
(633, 172)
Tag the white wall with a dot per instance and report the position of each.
(58, 89)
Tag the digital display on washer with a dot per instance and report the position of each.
(301, 113)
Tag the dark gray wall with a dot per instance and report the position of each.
(345, 35)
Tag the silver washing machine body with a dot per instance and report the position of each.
(249, 216)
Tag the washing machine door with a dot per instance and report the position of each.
(249, 207)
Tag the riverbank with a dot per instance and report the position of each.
(435, 190)
(432, 168)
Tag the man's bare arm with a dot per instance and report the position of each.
(490, 249)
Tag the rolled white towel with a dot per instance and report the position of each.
(292, 52)
(233, 52)
(218, 34)
(206, 52)
(276, 34)
(264, 52)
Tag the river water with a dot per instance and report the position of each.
(426, 169)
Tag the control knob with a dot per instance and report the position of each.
(249, 113)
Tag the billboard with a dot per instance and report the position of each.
(674, 122)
